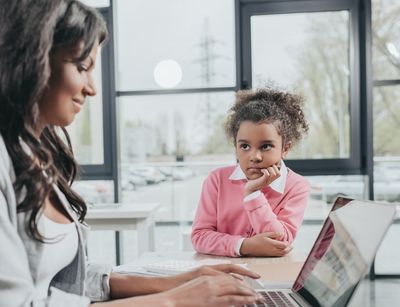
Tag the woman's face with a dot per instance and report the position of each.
(69, 84)
(258, 146)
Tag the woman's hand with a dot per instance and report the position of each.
(265, 244)
(212, 270)
(269, 174)
(221, 290)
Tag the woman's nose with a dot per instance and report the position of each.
(90, 88)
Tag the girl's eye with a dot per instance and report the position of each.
(266, 146)
(244, 146)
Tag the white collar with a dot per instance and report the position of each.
(278, 184)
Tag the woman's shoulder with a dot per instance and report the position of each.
(5, 162)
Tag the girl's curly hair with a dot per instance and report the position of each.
(282, 109)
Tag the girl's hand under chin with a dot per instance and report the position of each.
(269, 175)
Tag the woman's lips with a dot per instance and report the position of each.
(78, 104)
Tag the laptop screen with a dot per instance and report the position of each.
(343, 252)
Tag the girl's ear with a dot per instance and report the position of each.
(286, 149)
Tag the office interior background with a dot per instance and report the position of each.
(167, 78)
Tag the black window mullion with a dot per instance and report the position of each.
(106, 171)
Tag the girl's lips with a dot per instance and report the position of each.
(254, 170)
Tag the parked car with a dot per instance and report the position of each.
(105, 189)
(149, 173)
(176, 172)
(87, 191)
(329, 187)
(131, 181)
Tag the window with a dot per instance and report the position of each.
(313, 54)
(386, 120)
(175, 44)
(87, 130)
(309, 55)
(385, 39)
(179, 127)
(175, 86)
(92, 134)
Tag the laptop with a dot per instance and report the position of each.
(341, 256)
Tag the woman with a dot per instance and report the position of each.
(48, 51)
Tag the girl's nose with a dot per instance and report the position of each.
(256, 156)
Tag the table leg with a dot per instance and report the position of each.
(145, 234)
(119, 247)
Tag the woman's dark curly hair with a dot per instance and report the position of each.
(282, 109)
(31, 31)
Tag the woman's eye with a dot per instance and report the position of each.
(266, 146)
(244, 146)
(82, 67)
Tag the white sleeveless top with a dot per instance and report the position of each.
(57, 254)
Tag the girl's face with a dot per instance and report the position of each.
(69, 84)
(258, 146)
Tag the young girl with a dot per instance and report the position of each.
(256, 207)
(48, 52)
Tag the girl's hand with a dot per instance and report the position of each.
(265, 244)
(221, 290)
(269, 174)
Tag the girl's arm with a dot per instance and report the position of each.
(205, 237)
(290, 216)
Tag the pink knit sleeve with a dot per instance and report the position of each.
(205, 237)
(290, 211)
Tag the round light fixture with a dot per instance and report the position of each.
(168, 73)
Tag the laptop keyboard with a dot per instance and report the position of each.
(274, 299)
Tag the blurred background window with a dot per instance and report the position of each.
(310, 56)
(175, 84)
(386, 120)
(86, 131)
(177, 44)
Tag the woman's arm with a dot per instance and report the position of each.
(206, 286)
(124, 285)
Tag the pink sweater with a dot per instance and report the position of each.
(223, 217)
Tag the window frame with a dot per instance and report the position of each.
(356, 163)
(107, 170)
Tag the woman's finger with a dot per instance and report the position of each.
(233, 287)
(236, 300)
(233, 268)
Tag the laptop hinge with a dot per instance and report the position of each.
(298, 299)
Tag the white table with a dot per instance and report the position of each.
(119, 217)
(273, 269)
